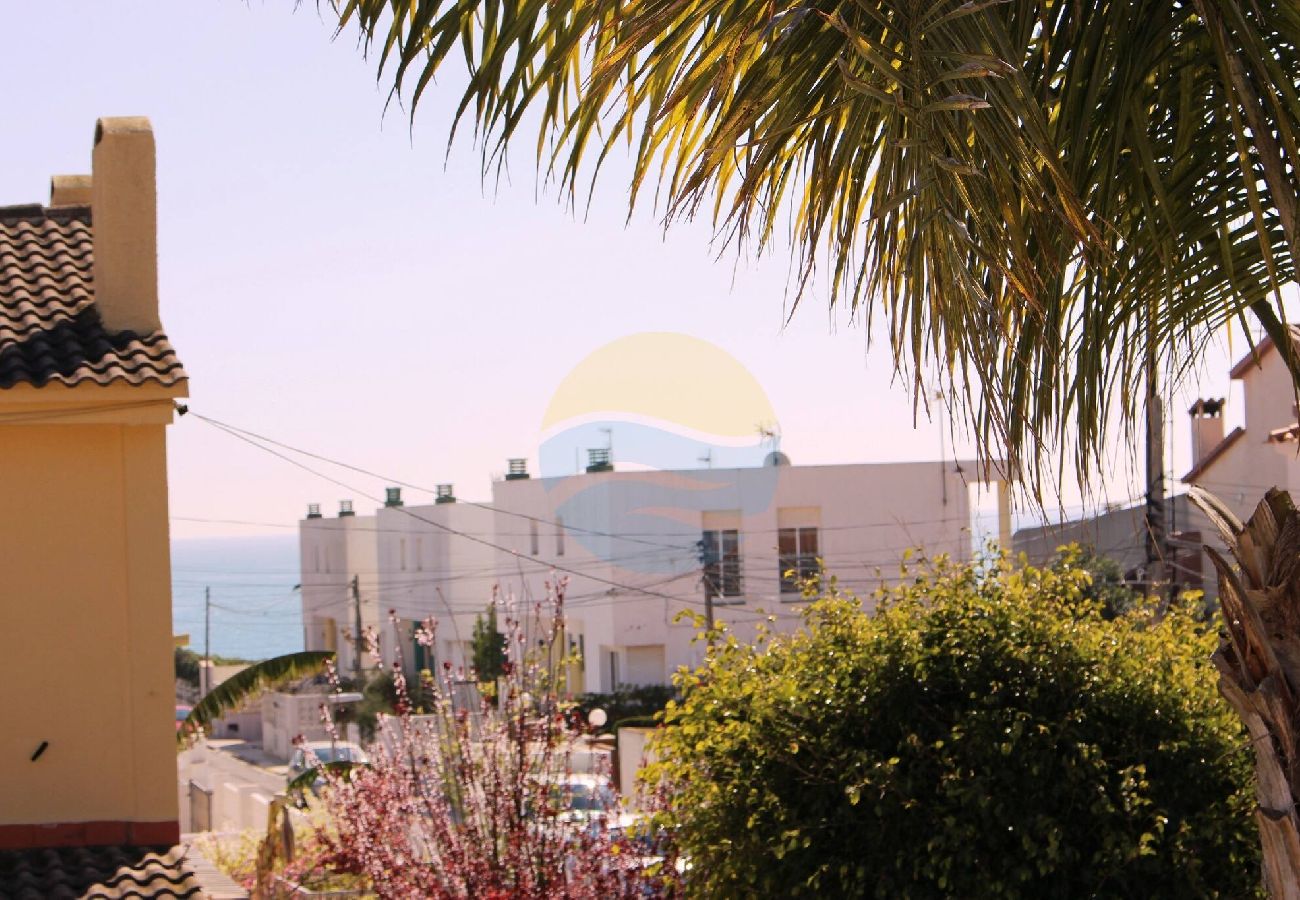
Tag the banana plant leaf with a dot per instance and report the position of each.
(234, 692)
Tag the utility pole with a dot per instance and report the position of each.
(943, 449)
(206, 674)
(1157, 523)
(702, 547)
(356, 651)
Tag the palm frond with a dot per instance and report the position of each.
(1035, 196)
(237, 690)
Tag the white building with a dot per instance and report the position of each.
(340, 569)
(435, 561)
(640, 552)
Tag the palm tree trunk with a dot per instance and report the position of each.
(1259, 664)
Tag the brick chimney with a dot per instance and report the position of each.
(124, 212)
(1207, 428)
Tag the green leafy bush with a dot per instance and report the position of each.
(187, 666)
(642, 701)
(1106, 583)
(987, 733)
(488, 647)
(378, 697)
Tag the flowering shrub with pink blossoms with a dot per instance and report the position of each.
(472, 801)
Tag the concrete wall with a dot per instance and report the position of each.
(288, 716)
(86, 589)
(219, 792)
(633, 756)
(1120, 534)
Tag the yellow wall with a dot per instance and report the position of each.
(85, 609)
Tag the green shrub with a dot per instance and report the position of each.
(378, 696)
(1106, 583)
(988, 733)
(488, 647)
(187, 666)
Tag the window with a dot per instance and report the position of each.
(401, 547)
(532, 539)
(419, 554)
(720, 553)
(559, 536)
(797, 550)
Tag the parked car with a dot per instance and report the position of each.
(321, 753)
(581, 797)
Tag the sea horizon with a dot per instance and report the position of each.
(256, 609)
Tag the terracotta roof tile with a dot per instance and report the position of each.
(96, 873)
(50, 330)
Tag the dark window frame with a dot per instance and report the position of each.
(723, 564)
(798, 551)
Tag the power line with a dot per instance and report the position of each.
(397, 481)
(635, 537)
(407, 577)
(252, 439)
(312, 581)
(624, 535)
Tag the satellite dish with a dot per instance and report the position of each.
(776, 458)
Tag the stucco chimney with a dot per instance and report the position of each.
(70, 190)
(124, 211)
(1207, 428)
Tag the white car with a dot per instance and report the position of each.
(321, 753)
(582, 797)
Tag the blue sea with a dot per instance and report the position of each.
(256, 611)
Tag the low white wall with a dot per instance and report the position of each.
(633, 756)
(227, 806)
(285, 717)
(183, 803)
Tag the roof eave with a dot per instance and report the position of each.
(1210, 458)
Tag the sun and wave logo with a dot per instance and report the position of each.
(687, 430)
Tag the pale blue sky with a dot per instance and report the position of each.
(329, 282)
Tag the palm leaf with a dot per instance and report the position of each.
(1035, 196)
(237, 690)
